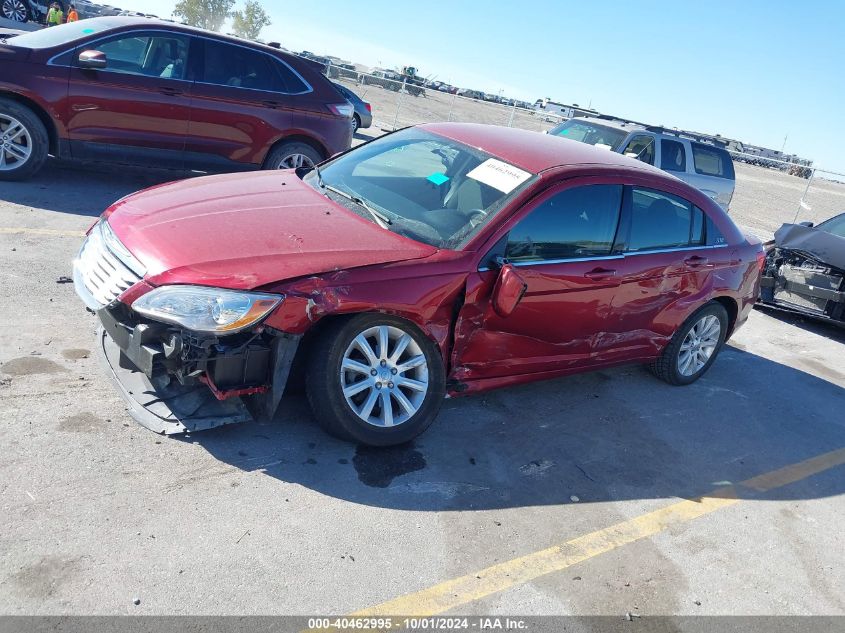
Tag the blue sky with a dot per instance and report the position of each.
(752, 70)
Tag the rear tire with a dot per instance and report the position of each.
(694, 346)
(356, 123)
(391, 406)
(24, 142)
(292, 155)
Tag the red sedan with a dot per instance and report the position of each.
(445, 259)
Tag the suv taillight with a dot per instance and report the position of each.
(369, 108)
(342, 109)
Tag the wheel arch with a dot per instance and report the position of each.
(297, 138)
(732, 308)
(39, 111)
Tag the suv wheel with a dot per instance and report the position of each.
(694, 346)
(292, 155)
(15, 10)
(375, 379)
(23, 141)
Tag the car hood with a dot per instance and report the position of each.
(243, 231)
(826, 247)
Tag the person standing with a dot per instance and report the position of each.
(55, 15)
(72, 15)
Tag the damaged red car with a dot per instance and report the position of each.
(437, 261)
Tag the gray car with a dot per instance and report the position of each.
(363, 116)
(706, 167)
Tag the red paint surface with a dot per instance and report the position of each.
(272, 232)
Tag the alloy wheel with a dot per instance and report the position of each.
(699, 345)
(354, 124)
(15, 143)
(295, 161)
(384, 376)
(14, 10)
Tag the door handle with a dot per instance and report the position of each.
(598, 274)
(170, 92)
(695, 261)
(271, 104)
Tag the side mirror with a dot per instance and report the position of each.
(93, 59)
(809, 225)
(508, 292)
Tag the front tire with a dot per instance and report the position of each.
(694, 346)
(375, 379)
(23, 141)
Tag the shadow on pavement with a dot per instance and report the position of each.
(605, 436)
(808, 324)
(83, 189)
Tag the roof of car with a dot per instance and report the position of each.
(533, 151)
(612, 123)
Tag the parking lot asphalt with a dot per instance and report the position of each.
(604, 493)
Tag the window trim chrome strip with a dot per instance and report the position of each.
(601, 258)
(309, 87)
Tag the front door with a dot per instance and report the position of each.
(562, 247)
(136, 109)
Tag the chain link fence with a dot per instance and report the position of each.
(769, 192)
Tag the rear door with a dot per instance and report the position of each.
(665, 273)
(562, 246)
(241, 103)
(137, 108)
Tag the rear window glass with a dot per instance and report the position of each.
(712, 161)
(291, 82)
(239, 67)
(673, 156)
(660, 220)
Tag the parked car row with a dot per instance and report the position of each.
(36, 10)
(150, 92)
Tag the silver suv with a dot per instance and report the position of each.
(705, 166)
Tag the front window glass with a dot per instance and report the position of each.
(162, 56)
(642, 148)
(591, 133)
(578, 222)
(430, 188)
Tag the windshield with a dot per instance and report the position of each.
(429, 188)
(835, 225)
(590, 133)
(63, 33)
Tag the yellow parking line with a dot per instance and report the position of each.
(54, 232)
(465, 589)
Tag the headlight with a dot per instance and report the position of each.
(206, 309)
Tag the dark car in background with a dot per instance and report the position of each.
(363, 116)
(149, 92)
(36, 10)
(805, 270)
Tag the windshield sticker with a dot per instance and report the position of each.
(564, 132)
(438, 179)
(499, 175)
(603, 145)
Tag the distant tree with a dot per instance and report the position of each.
(206, 14)
(249, 22)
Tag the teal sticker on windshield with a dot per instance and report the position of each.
(438, 179)
(563, 132)
(87, 31)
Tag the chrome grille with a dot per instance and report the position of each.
(99, 275)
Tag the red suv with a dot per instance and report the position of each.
(446, 258)
(149, 92)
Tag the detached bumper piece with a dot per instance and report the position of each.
(175, 381)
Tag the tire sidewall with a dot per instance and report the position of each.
(274, 158)
(347, 421)
(356, 123)
(713, 309)
(38, 134)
